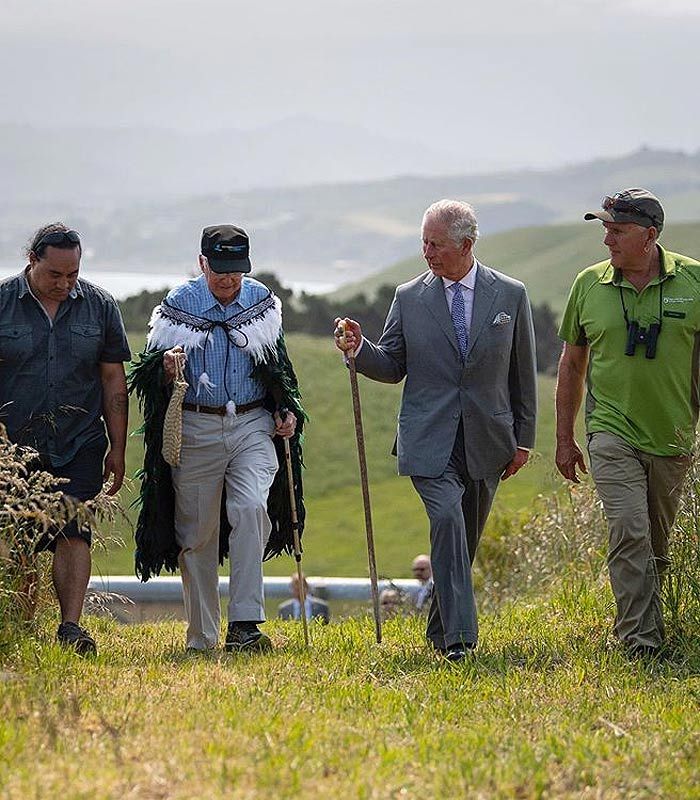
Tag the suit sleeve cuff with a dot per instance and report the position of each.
(362, 341)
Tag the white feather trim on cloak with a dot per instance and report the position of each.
(262, 333)
(256, 335)
(164, 334)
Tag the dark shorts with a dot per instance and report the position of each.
(84, 474)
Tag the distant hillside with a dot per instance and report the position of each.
(328, 233)
(93, 163)
(545, 258)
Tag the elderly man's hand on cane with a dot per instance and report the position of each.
(285, 423)
(348, 335)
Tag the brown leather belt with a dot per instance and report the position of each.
(221, 410)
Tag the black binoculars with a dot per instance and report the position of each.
(645, 336)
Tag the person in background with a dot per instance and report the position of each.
(315, 608)
(423, 573)
(389, 603)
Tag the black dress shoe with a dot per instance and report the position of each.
(459, 650)
(70, 634)
(644, 652)
(245, 637)
(455, 652)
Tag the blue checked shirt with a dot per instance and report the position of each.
(232, 381)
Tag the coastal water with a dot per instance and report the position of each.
(125, 284)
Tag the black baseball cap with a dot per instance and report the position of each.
(639, 206)
(226, 248)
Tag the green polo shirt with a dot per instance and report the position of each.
(651, 403)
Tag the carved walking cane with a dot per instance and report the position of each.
(360, 438)
(295, 533)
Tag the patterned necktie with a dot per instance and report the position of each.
(459, 319)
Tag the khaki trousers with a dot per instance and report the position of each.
(640, 493)
(235, 455)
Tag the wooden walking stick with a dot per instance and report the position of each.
(360, 438)
(295, 532)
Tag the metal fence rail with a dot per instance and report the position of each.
(169, 589)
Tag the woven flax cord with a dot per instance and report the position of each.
(172, 424)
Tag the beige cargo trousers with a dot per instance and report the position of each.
(640, 493)
(234, 454)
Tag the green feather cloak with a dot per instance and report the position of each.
(156, 548)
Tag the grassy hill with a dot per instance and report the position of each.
(335, 535)
(545, 258)
(332, 233)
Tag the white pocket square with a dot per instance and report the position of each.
(501, 318)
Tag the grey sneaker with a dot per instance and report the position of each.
(244, 637)
(70, 634)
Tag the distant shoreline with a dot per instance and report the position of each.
(123, 283)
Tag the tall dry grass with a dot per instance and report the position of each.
(681, 583)
(32, 505)
(564, 537)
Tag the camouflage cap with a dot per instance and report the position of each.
(638, 206)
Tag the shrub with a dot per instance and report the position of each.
(566, 536)
(681, 583)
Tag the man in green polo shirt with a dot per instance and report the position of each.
(631, 331)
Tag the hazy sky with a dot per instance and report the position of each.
(538, 82)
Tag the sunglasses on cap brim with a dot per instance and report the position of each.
(625, 207)
(57, 238)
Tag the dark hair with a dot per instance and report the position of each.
(52, 227)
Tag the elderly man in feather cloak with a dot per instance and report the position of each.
(228, 495)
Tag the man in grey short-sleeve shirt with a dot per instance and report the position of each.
(63, 393)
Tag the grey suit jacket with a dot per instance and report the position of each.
(494, 392)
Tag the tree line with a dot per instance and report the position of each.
(314, 314)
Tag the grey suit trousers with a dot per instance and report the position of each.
(457, 508)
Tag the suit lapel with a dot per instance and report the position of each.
(433, 295)
(484, 297)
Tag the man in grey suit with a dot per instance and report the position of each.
(461, 334)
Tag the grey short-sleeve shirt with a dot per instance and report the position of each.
(50, 383)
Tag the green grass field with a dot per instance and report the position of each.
(546, 708)
(545, 258)
(335, 536)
